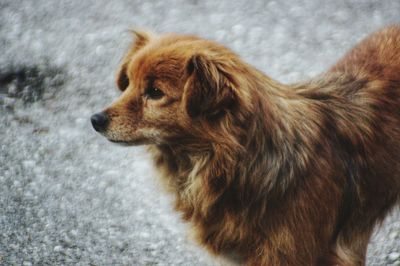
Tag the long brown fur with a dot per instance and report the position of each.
(267, 173)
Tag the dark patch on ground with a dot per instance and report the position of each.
(30, 83)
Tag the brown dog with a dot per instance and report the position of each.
(267, 174)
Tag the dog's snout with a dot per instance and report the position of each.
(99, 121)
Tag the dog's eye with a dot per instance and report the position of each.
(153, 93)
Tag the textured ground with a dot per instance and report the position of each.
(69, 197)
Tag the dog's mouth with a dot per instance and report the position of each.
(122, 143)
(129, 143)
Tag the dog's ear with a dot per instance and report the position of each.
(208, 90)
(141, 38)
(122, 78)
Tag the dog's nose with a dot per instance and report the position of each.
(99, 121)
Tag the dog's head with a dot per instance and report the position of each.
(170, 85)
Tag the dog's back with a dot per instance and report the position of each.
(378, 56)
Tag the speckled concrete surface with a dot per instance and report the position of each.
(67, 196)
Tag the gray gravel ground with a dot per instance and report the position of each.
(67, 196)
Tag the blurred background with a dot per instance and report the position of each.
(69, 197)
